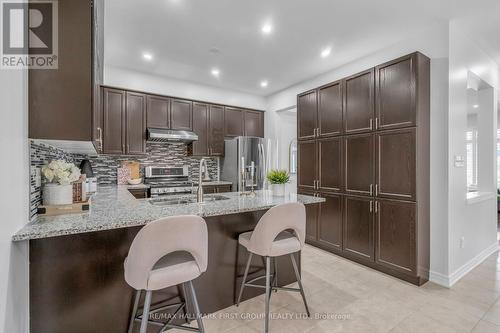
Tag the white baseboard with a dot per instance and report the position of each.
(449, 281)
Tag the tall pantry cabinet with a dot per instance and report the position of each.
(364, 147)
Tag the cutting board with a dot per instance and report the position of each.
(134, 168)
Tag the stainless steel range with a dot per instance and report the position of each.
(168, 180)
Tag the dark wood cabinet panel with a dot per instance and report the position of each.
(396, 164)
(233, 122)
(136, 123)
(312, 215)
(216, 130)
(65, 94)
(330, 164)
(114, 109)
(158, 112)
(330, 221)
(396, 93)
(307, 161)
(359, 102)
(254, 123)
(307, 115)
(200, 127)
(395, 240)
(358, 227)
(181, 114)
(330, 109)
(359, 164)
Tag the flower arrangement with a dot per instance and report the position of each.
(61, 172)
(278, 177)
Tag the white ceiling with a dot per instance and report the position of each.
(182, 36)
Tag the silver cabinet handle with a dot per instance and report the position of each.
(376, 189)
(371, 189)
(376, 122)
(318, 131)
(376, 206)
(314, 184)
(371, 206)
(371, 123)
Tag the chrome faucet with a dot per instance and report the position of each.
(203, 163)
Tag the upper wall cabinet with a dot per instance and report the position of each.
(158, 112)
(396, 93)
(208, 124)
(359, 102)
(254, 123)
(330, 109)
(200, 127)
(307, 115)
(181, 114)
(216, 130)
(234, 122)
(136, 123)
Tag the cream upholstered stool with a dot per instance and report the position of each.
(270, 239)
(166, 253)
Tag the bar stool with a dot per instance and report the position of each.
(270, 239)
(166, 253)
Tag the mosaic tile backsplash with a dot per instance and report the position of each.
(104, 166)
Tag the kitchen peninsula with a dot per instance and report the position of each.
(76, 261)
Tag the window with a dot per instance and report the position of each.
(471, 151)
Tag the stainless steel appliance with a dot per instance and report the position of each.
(246, 162)
(166, 135)
(165, 181)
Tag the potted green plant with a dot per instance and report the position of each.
(278, 179)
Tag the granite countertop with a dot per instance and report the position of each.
(115, 207)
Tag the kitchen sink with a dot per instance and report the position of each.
(184, 201)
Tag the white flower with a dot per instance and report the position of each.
(61, 172)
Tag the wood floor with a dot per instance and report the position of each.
(346, 297)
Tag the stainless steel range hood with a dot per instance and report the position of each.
(166, 135)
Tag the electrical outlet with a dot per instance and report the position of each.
(462, 242)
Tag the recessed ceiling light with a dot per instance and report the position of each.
(326, 52)
(264, 83)
(475, 106)
(147, 56)
(267, 29)
(215, 72)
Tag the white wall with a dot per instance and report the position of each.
(14, 288)
(125, 78)
(475, 222)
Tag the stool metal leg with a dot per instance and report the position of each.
(297, 275)
(275, 277)
(145, 312)
(134, 311)
(244, 278)
(196, 307)
(268, 293)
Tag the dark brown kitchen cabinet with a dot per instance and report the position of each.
(396, 92)
(233, 122)
(358, 227)
(330, 171)
(312, 215)
(396, 164)
(330, 109)
(216, 130)
(307, 161)
(359, 102)
(254, 123)
(181, 114)
(330, 222)
(359, 164)
(158, 112)
(213, 189)
(307, 115)
(114, 108)
(135, 123)
(200, 127)
(395, 235)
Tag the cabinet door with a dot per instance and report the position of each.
(330, 164)
(358, 227)
(330, 222)
(136, 123)
(307, 164)
(396, 93)
(114, 117)
(359, 164)
(233, 122)
(254, 123)
(181, 114)
(330, 109)
(312, 216)
(97, 119)
(216, 130)
(396, 164)
(158, 112)
(359, 102)
(395, 240)
(200, 127)
(307, 114)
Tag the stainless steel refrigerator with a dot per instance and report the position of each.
(246, 162)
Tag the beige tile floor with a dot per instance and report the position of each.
(346, 297)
